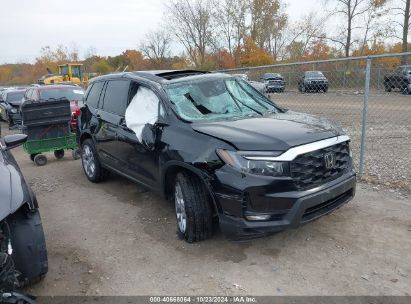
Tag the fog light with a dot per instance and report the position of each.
(258, 217)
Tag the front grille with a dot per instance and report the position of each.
(275, 82)
(308, 170)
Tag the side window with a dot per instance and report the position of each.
(116, 97)
(94, 94)
(27, 95)
(35, 95)
(135, 88)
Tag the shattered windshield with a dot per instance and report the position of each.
(217, 99)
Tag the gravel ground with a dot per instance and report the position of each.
(388, 152)
(115, 238)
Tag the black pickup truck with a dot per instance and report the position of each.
(400, 78)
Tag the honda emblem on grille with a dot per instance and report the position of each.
(329, 160)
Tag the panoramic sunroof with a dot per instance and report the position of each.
(179, 74)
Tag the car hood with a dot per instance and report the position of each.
(277, 132)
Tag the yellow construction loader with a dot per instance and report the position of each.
(68, 73)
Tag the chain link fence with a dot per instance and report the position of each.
(368, 96)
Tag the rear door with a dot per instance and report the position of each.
(110, 114)
(90, 114)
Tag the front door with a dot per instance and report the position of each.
(139, 161)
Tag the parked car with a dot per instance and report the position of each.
(218, 148)
(400, 78)
(10, 101)
(273, 82)
(23, 251)
(313, 81)
(73, 93)
(242, 76)
(259, 86)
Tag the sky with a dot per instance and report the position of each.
(109, 26)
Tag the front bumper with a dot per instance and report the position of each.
(275, 87)
(316, 86)
(286, 209)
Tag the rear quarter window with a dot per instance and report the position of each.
(93, 95)
(116, 97)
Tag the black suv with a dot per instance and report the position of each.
(313, 81)
(10, 102)
(219, 149)
(400, 78)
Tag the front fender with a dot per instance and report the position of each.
(196, 169)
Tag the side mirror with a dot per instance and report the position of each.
(13, 141)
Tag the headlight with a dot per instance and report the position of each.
(257, 167)
(13, 110)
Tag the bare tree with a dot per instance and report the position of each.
(402, 8)
(156, 46)
(277, 35)
(373, 26)
(263, 14)
(231, 19)
(308, 29)
(192, 24)
(350, 10)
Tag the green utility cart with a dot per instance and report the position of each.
(47, 125)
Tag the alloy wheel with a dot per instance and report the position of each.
(88, 161)
(180, 208)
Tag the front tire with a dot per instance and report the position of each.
(91, 164)
(193, 208)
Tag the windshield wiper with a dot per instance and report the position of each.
(239, 101)
(247, 106)
(203, 110)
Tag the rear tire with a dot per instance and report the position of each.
(29, 246)
(76, 153)
(59, 154)
(193, 208)
(40, 160)
(91, 164)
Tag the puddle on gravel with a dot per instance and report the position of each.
(124, 190)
